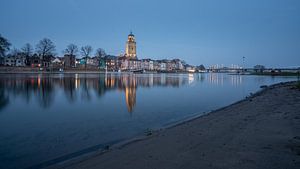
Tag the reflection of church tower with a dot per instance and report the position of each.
(130, 93)
(131, 47)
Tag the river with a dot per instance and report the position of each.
(47, 118)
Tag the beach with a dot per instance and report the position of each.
(261, 131)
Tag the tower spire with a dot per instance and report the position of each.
(131, 34)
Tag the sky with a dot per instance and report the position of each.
(208, 32)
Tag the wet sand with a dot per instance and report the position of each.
(262, 131)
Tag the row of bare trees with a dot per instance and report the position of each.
(85, 51)
(46, 47)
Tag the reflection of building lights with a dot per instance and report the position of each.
(39, 81)
(110, 81)
(76, 81)
(32, 81)
(191, 78)
(236, 80)
(130, 94)
(216, 78)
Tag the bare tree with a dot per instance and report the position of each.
(27, 50)
(100, 53)
(14, 52)
(4, 46)
(71, 49)
(45, 47)
(85, 52)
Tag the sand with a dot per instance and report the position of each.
(262, 131)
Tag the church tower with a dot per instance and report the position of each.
(131, 47)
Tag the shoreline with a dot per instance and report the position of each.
(35, 70)
(85, 160)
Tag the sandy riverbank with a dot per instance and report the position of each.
(262, 131)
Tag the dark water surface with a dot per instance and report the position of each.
(44, 117)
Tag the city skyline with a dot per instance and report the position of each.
(199, 32)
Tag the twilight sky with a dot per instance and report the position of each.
(198, 31)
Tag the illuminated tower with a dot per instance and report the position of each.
(131, 47)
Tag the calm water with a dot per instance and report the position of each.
(44, 117)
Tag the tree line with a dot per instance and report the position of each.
(46, 47)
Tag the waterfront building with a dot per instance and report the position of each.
(163, 66)
(259, 68)
(130, 64)
(156, 65)
(18, 60)
(9, 61)
(57, 62)
(46, 60)
(35, 61)
(102, 63)
(89, 62)
(178, 64)
(169, 65)
(94, 62)
(112, 63)
(69, 60)
(130, 51)
(147, 64)
(190, 68)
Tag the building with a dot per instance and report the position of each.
(20, 60)
(9, 61)
(169, 65)
(147, 64)
(178, 64)
(129, 64)
(156, 65)
(69, 60)
(94, 62)
(88, 62)
(46, 60)
(102, 63)
(259, 68)
(34, 61)
(17, 60)
(190, 68)
(162, 66)
(57, 62)
(112, 63)
(130, 51)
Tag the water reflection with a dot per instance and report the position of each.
(3, 98)
(45, 117)
(43, 87)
